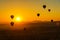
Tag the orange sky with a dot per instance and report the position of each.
(27, 10)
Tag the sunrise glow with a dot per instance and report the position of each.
(18, 19)
(26, 10)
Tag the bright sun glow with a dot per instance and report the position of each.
(18, 19)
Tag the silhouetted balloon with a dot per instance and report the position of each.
(49, 10)
(24, 29)
(44, 6)
(51, 20)
(38, 14)
(12, 23)
(12, 16)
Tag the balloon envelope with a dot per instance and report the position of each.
(24, 29)
(38, 14)
(12, 16)
(12, 23)
(51, 20)
(44, 6)
(49, 10)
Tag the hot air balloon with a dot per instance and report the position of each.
(38, 14)
(49, 10)
(44, 6)
(51, 20)
(12, 16)
(12, 23)
(24, 29)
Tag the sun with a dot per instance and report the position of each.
(18, 19)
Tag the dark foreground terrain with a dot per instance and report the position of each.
(37, 31)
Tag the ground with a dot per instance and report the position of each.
(37, 31)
